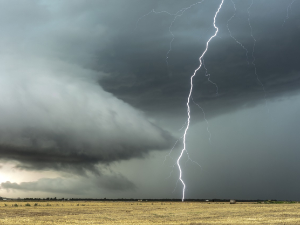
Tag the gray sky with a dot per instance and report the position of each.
(90, 107)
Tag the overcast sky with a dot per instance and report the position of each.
(93, 99)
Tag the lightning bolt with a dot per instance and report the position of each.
(287, 11)
(169, 154)
(176, 15)
(253, 47)
(253, 57)
(201, 60)
(179, 13)
(152, 11)
(204, 116)
(188, 101)
(208, 78)
(232, 35)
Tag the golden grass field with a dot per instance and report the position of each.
(147, 213)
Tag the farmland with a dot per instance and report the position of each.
(81, 212)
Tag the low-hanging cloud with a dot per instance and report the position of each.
(55, 115)
(73, 185)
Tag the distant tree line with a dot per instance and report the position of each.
(132, 199)
(142, 200)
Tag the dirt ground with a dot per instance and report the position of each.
(147, 213)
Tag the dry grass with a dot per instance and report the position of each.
(147, 213)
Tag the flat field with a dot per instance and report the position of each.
(69, 212)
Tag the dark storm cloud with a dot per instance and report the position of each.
(78, 186)
(105, 36)
(61, 152)
(139, 74)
